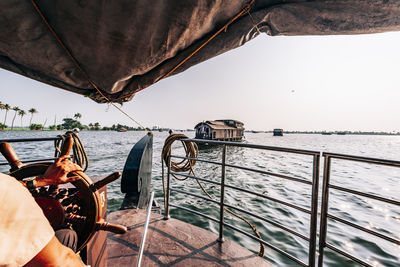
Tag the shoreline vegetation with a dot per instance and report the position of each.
(67, 123)
(331, 132)
(125, 128)
(74, 123)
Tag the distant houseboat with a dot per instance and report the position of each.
(227, 130)
(278, 132)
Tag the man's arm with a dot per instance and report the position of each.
(55, 254)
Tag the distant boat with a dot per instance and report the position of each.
(278, 132)
(326, 133)
(226, 130)
(122, 129)
(341, 133)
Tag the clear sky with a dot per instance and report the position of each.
(294, 83)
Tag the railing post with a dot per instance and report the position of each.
(221, 203)
(166, 212)
(324, 209)
(314, 211)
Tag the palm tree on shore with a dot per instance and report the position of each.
(32, 111)
(77, 116)
(1, 106)
(21, 113)
(2, 126)
(6, 107)
(16, 109)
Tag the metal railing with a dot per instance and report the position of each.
(325, 199)
(39, 139)
(20, 140)
(325, 215)
(312, 182)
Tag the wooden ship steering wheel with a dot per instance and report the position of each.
(76, 205)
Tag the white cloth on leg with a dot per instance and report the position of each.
(24, 230)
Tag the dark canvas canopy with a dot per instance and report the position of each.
(124, 46)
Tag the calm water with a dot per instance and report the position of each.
(107, 152)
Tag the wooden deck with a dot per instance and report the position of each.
(172, 243)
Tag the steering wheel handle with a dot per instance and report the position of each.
(9, 154)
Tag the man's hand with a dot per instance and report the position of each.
(57, 172)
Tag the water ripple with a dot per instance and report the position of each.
(107, 152)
